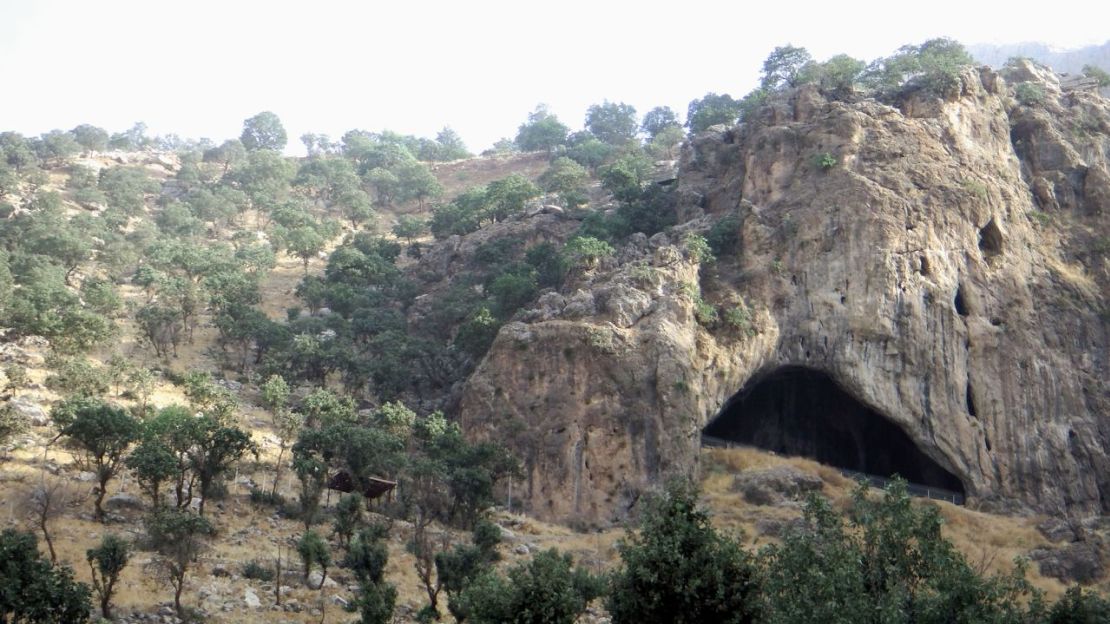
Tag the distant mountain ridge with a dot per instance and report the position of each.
(1061, 61)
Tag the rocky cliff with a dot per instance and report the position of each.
(943, 262)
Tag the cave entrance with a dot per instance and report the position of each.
(800, 411)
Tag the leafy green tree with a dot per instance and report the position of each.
(549, 264)
(697, 248)
(386, 185)
(367, 558)
(9, 180)
(17, 151)
(348, 517)
(665, 144)
(586, 251)
(7, 282)
(228, 154)
(179, 538)
(710, 110)
(90, 138)
(614, 123)
(625, 177)
(506, 197)
(450, 145)
(127, 188)
(312, 471)
(940, 61)
(409, 228)
(305, 242)
(175, 429)
(461, 216)
(106, 562)
(134, 138)
(53, 236)
(476, 334)
(545, 590)
(543, 131)
(781, 68)
(355, 205)
(512, 290)
(1079, 607)
(504, 145)
(217, 448)
(326, 179)
(162, 326)
(44, 306)
(587, 150)
(462, 564)
(417, 182)
(568, 179)
(1029, 93)
(56, 147)
(659, 119)
(101, 433)
(890, 563)
(287, 423)
(176, 219)
(836, 77)
(313, 551)
(100, 296)
(265, 178)
(77, 377)
(724, 236)
(263, 131)
(317, 144)
(1099, 74)
(933, 66)
(33, 590)
(677, 568)
(153, 464)
(653, 210)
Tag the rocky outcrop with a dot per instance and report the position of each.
(776, 485)
(938, 261)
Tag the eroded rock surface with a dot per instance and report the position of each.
(945, 271)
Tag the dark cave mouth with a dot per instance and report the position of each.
(800, 411)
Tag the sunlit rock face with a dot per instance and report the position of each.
(938, 262)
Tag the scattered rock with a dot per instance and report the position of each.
(123, 500)
(85, 476)
(251, 599)
(233, 386)
(315, 578)
(775, 485)
(30, 412)
(1079, 562)
(777, 527)
(1057, 530)
(521, 549)
(580, 304)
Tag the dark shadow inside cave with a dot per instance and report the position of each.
(799, 411)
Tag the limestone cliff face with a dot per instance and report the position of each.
(949, 271)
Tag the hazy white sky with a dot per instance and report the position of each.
(199, 67)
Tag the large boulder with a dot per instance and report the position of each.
(776, 485)
(1079, 562)
(29, 412)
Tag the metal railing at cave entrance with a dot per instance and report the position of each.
(875, 481)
